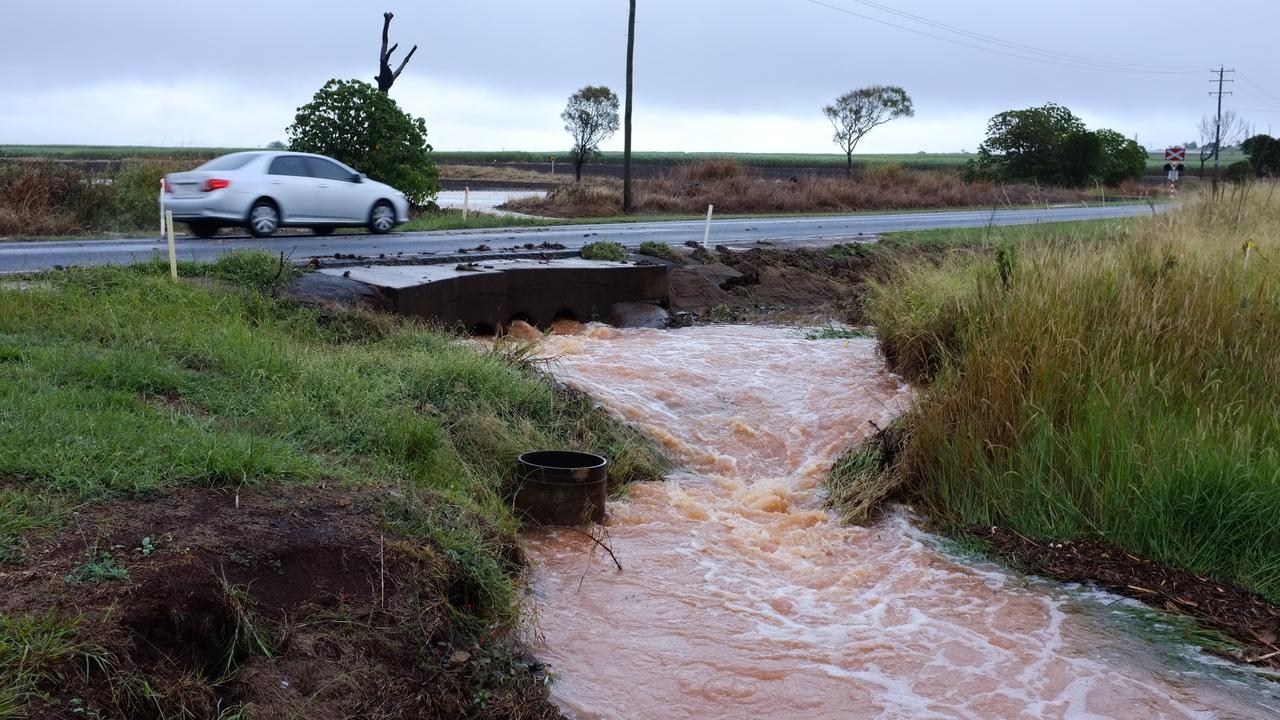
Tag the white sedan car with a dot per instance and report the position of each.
(264, 191)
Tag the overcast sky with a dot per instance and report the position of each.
(732, 75)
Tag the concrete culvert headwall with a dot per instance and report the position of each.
(488, 297)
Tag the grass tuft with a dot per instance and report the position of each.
(605, 250)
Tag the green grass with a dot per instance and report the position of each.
(117, 382)
(1073, 232)
(605, 250)
(1119, 381)
(34, 652)
(661, 250)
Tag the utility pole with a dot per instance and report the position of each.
(626, 132)
(1217, 126)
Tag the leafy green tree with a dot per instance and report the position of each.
(1081, 157)
(1027, 144)
(1122, 158)
(1264, 154)
(590, 117)
(353, 122)
(1049, 144)
(858, 112)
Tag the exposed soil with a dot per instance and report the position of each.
(294, 602)
(1241, 614)
(775, 284)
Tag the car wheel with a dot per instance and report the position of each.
(322, 230)
(264, 219)
(382, 219)
(203, 229)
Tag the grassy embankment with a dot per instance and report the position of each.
(120, 390)
(1120, 384)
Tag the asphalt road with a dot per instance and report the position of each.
(22, 256)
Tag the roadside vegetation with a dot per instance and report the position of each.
(1116, 382)
(736, 189)
(821, 161)
(55, 198)
(228, 483)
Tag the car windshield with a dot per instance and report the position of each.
(235, 161)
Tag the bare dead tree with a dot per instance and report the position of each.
(1233, 132)
(385, 75)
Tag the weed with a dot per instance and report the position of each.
(605, 250)
(254, 269)
(248, 637)
(99, 566)
(35, 653)
(661, 250)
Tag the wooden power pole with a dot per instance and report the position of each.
(1217, 127)
(626, 131)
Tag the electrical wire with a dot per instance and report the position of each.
(1116, 66)
(1084, 64)
(1259, 88)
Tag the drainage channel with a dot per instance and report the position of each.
(740, 596)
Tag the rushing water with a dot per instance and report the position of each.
(742, 598)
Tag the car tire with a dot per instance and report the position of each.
(264, 218)
(382, 218)
(204, 230)
(322, 230)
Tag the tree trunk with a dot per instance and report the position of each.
(848, 164)
(626, 141)
(577, 167)
(386, 77)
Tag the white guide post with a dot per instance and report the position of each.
(706, 234)
(173, 249)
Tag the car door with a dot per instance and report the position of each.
(290, 182)
(345, 200)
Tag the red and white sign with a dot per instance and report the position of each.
(1175, 154)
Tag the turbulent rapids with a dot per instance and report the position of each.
(742, 598)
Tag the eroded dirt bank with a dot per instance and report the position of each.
(297, 602)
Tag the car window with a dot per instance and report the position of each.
(234, 161)
(289, 165)
(327, 170)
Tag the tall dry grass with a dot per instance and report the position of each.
(57, 198)
(735, 188)
(1123, 387)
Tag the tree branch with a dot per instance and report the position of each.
(404, 62)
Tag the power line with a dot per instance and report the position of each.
(1116, 66)
(1259, 88)
(1259, 98)
(1077, 65)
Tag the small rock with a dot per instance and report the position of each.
(460, 656)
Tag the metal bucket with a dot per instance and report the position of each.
(561, 487)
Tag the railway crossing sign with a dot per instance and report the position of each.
(1175, 154)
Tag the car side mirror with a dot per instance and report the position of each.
(357, 177)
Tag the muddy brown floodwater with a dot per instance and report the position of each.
(742, 598)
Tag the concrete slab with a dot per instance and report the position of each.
(488, 295)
